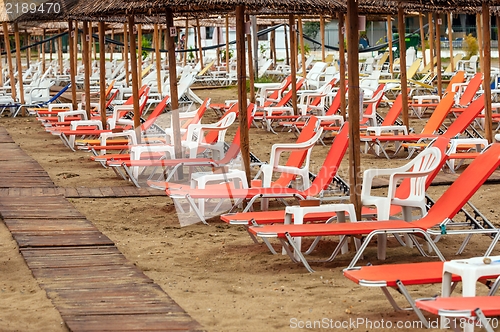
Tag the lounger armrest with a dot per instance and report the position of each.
(61, 116)
(85, 123)
(130, 134)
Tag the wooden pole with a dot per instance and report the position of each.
(355, 180)
(200, 50)
(227, 44)
(93, 42)
(28, 50)
(242, 91)
(19, 67)
(51, 46)
(86, 65)
(286, 45)
(1, 69)
(389, 40)
(102, 74)
(438, 52)
(302, 48)
(498, 37)
(125, 53)
(402, 59)
(9, 60)
(322, 33)
(431, 40)
(488, 126)
(75, 47)
(135, 76)
(450, 40)
(251, 72)
(293, 61)
(480, 41)
(157, 43)
(72, 69)
(174, 97)
(186, 33)
(60, 53)
(342, 65)
(43, 51)
(272, 44)
(422, 36)
(139, 53)
(112, 46)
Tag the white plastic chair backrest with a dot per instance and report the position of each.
(184, 84)
(264, 67)
(424, 163)
(316, 70)
(195, 130)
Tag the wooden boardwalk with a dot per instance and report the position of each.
(92, 284)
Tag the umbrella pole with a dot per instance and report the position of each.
(19, 67)
(157, 47)
(488, 127)
(28, 50)
(102, 74)
(302, 48)
(200, 50)
(422, 36)
(354, 106)
(86, 65)
(431, 40)
(112, 46)
(498, 39)
(71, 36)
(60, 53)
(286, 44)
(480, 41)
(272, 45)
(139, 53)
(293, 61)
(125, 53)
(242, 91)
(186, 34)
(75, 48)
(251, 73)
(402, 63)
(322, 33)
(343, 106)
(450, 41)
(174, 97)
(389, 40)
(1, 70)
(9, 60)
(227, 44)
(438, 53)
(43, 52)
(135, 78)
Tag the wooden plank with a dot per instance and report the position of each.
(119, 192)
(58, 239)
(107, 192)
(98, 274)
(71, 192)
(45, 225)
(142, 322)
(95, 192)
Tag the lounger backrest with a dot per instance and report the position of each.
(331, 164)
(459, 77)
(463, 188)
(155, 114)
(471, 90)
(413, 68)
(439, 114)
(394, 111)
(288, 96)
(375, 101)
(466, 117)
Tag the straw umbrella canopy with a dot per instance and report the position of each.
(199, 8)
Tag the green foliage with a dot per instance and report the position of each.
(191, 54)
(146, 43)
(471, 46)
(223, 55)
(311, 29)
(307, 49)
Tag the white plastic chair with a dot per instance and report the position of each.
(417, 171)
(274, 166)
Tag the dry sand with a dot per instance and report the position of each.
(216, 273)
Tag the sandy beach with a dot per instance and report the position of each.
(216, 273)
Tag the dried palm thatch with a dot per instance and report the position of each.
(105, 9)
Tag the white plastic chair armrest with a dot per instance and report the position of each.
(85, 123)
(68, 106)
(379, 130)
(61, 116)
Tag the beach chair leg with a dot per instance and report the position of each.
(484, 321)
(266, 241)
(410, 300)
(296, 255)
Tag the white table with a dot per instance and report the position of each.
(470, 270)
(200, 180)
